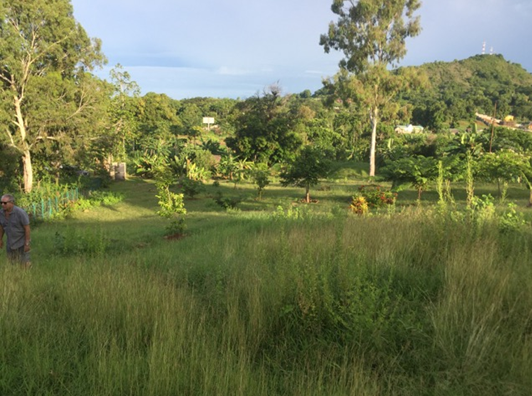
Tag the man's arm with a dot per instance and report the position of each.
(1, 237)
(27, 233)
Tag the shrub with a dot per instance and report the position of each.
(359, 205)
(190, 187)
(376, 196)
(227, 202)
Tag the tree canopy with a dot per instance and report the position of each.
(46, 90)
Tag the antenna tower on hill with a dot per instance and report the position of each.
(483, 48)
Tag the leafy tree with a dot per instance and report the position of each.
(264, 128)
(372, 35)
(228, 166)
(309, 166)
(417, 171)
(156, 116)
(171, 205)
(122, 111)
(526, 173)
(45, 56)
(502, 167)
(261, 177)
(191, 118)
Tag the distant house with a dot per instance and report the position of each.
(409, 129)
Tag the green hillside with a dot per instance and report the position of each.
(457, 90)
(483, 70)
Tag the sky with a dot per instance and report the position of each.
(237, 48)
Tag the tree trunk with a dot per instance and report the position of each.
(307, 194)
(28, 171)
(374, 119)
(25, 149)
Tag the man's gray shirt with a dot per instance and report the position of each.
(14, 227)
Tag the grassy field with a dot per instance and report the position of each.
(272, 298)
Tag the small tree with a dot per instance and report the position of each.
(260, 175)
(417, 171)
(228, 166)
(172, 206)
(526, 173)
(502, 167)
(305, 171)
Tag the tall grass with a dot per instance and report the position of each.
(413, 303)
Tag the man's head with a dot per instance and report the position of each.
(7, 202)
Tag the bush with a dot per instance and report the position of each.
(190, 187)
(359, 205)
(227, 202)
(376, 196)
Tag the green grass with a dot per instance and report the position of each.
(312, 301)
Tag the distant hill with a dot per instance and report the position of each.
(485, 84)
(488, 71)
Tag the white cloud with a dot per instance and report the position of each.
(224, 70)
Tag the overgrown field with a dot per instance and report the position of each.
(271, 299)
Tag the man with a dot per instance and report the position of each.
(15, 223)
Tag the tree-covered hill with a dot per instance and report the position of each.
(478, 70)
(456, 90)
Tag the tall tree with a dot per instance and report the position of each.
(45, 58)
(372, 35)
(122, 111)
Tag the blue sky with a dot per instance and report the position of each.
(236, 48)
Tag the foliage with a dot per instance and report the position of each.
(372, 36)
(376, 196)
(100, 197)
(503, 165)
(290, 211)
(359, 204)
(461, 88)
(417, 171)
(310, 165)
(91, 242)
(50, 201)
(260, 175)
(191, 187)
(122, 113)
(265, 128)
(228, 166)
(511, 220)
(226, 202)
(147, 164)
(156, 117)
(51, 103)
(171, 205)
